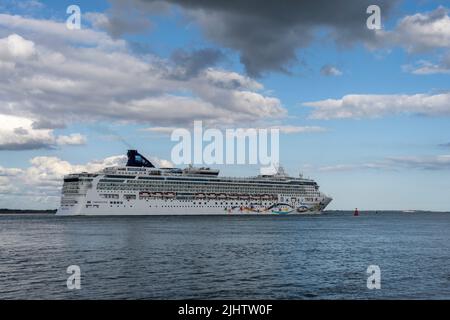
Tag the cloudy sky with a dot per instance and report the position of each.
(364, 112)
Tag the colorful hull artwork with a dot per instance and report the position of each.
(278, 208)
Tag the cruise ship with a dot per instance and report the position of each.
(139, 188)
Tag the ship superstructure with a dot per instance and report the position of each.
(139, 188)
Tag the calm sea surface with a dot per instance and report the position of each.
(226, 257)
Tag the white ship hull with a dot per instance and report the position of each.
(175, 207)
(141, 189)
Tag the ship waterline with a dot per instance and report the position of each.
(139, 188)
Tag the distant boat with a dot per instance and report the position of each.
(356, 213)
(409, 211)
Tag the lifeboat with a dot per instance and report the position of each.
(169, 195)
(200, 195)
(254, 197)
(244, 196)
(211, 195)
(233, 196)
(222, 196)
(266, 197)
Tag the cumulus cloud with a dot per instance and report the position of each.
(329, 70)
(268, 34)
(419, 32)
(43, 178)
(424, 67)
(7, 176)
(9, 172)
(52, 33)
(127, 17)
(53, 168)
(231, 80)
(14, 46)
(190, 64)
(372, 105)
(72, 139)
(49, 171)
(6, 187)
(161, 163)
(54, 85)
(18, 133)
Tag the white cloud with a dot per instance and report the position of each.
(9, 172)
(14, 46)
(50, 32)
(84, 75)
(419, 32)
(371, 105)
(231, 80)
(7, 176)
(299, 129)
(18, 133)
(72, 139)
(329, 70)
(436, 162)
(42, 180)
(49, 171)
(161, 163)
(424, 67)
(6, 187)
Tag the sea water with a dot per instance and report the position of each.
(226, 257)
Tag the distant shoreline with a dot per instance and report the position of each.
(387, 211)
(4, 211)
(27, 211)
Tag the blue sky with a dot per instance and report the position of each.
(384, 147)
